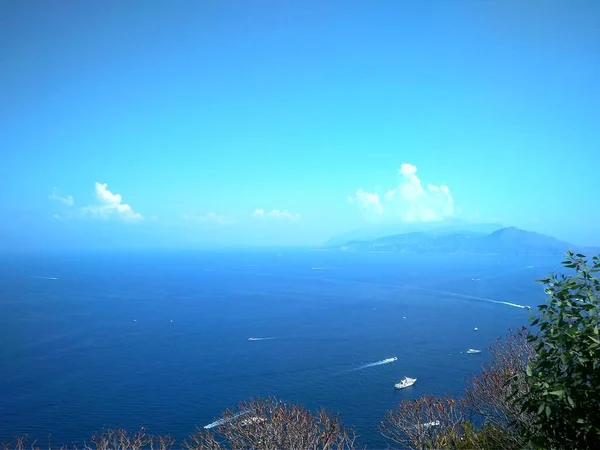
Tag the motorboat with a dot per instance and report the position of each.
(405, 382)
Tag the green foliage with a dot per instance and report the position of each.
(564, 378)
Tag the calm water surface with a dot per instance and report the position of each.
(161, 339)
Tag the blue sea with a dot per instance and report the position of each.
(161, 339)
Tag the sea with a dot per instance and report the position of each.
(167, 340)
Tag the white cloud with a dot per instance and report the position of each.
(369, 201)
(210, 217)
(409, 201)
(110, 205)
(276, 214)
(68, 200)
(57, 217)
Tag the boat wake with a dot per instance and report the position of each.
(46, 278)
(260, 338)
(377, 363)
(483, 299)
(514, 305)
(216, 423)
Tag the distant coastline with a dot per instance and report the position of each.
(463, 241)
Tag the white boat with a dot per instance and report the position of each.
(434, 423)
(475, 329)
(472, 350)
(405, 382)
(252, 420)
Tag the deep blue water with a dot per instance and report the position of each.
(95, 347)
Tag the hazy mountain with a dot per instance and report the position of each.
(505, 241)
(446, 226)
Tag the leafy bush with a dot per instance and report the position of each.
(564, 378)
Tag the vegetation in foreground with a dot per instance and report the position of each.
(541, 390)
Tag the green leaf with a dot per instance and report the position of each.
(528, 370)
(548, 411)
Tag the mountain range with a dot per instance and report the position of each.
(445, 226)
(457, 238)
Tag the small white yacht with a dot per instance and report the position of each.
(405, 382)
(434, 423)
(472, 350)
(475, 329)
(252, 420)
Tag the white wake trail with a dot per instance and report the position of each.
(483, 299)
(514, 305)
(260, 338)
(377, 363)
(216, 423)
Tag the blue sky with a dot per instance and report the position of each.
(279, 122)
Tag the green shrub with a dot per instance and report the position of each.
(564, 378)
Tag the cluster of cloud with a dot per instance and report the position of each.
(111, 205)
(107, 205)
(408, 202)
(276, 214)
(261, 214)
